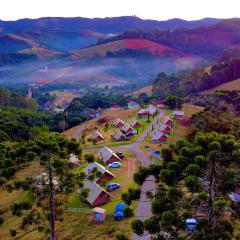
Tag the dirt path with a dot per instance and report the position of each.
(79, 132)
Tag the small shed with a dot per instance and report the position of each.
(105, 174)
(99, 214)
(132, 104)
(149, 111)
(167, 121)
(135, 123)
(164, 128)
(191, 224)
(119, 136)
(97, 195)
(97, 136)
(127, 128)
(158, 136)
(108, 156)
(118, 122)
(178, 115)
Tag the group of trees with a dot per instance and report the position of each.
(19, 117)
(52, 152)
(165, 85)
(223, 70)
(206, 163)
(221, 112)
(81, 109)
(18, 123)
(208, 157)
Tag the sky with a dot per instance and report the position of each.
(146, 9)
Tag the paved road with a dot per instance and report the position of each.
(143, 210)
(149, 129)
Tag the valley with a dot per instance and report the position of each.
(119, 128)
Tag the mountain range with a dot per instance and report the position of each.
(119, 49)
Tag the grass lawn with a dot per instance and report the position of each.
(179, 131)
(78, 223)
(125, 114)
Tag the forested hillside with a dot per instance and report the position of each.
(19, 116)
(224, 70)
(208, 41)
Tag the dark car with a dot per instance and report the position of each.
(113, 186)
(120, 155)
(131, 133)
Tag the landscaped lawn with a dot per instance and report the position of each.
(179, 131)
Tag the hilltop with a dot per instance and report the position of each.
(119, 46)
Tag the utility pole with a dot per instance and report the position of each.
(51, 202)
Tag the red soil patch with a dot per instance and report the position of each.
(154, 48)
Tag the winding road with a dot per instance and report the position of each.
(143, 209)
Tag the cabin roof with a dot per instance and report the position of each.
(126, 127)
(94, 190)
(100, 168)
(105, 153)
(97, 134)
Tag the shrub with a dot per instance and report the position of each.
(166, 155)
(169, 218)
(151, 225)
(140, 176)
(120, 236)
(128, 212)
(174, 193)
(2, 181)
(13, 232)
(137, 227)
(89, 157)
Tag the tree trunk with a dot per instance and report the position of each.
(51, 203)
(211, 192)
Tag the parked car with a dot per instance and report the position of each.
(120, 155)
(113, 186)
(115, 165)
(131, 133)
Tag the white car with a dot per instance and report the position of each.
(115, 165)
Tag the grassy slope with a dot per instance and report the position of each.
(102, 49)
(125, 115)
(147, 90)
(78, 224)
(8, 198)
(233, 85)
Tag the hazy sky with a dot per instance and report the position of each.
(147, 9)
